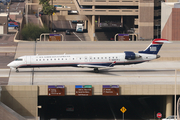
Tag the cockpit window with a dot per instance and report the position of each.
(18, 59)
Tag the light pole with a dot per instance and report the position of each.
(26, 11)
(176, 70)
(175, 94)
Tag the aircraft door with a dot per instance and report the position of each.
(28, 60)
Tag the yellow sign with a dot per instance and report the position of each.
(123, 109)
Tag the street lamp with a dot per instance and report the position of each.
(175, 94)
(26, 11)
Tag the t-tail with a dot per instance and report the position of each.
(155, 46)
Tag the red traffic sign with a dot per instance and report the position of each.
(159, 115)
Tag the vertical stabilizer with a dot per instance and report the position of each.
(155, 46)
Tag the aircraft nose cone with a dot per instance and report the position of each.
(10, 64)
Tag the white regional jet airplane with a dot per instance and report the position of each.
(100, 60)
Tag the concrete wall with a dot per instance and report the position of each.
(4, 23)
(22, 99)
(175, 24)
(170, 22)
(124, 89)
(91, 27)
(146, 19)
(8, 114)
(166, 21)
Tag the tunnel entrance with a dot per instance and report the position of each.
(100, 107)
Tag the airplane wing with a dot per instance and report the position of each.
(96, 66)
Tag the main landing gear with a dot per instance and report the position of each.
(96, 70)
(17, 70)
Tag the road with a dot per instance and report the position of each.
(63, 25)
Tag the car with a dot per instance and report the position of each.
(11, 24)
(40, 14)
(111, 39)
(69, 108)
(170, 118)
(74, 21)
(13, 21)
(68, 32)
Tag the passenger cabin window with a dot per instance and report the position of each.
(18, 59)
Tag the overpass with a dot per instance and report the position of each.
(155, 78)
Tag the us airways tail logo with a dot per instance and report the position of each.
(153, 48)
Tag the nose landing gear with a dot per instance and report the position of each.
(96, 70)
(17, 70)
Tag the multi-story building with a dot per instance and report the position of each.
(140, 18)
(170, 20)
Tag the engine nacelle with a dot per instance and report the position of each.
(131, 55)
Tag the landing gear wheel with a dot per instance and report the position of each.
(96, 70)
(17, 70)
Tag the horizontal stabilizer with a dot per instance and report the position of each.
(161, 41)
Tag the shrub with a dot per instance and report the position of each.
(31, 32)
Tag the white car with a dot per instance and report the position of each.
(170, 118)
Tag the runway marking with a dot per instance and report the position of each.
(70, 24)
(77, 36)
(97, 76)
(75, 33)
